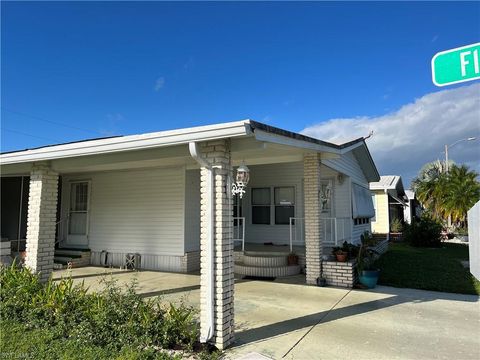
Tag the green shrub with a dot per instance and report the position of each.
(425, 232)
(396, 226)
(114, 318)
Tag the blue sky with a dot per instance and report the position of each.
(124, 68)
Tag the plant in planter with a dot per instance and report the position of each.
(396, 228)
(367, 273)
(292, 259)
(340, 254)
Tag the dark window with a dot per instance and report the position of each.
(284, 205)
(261, 202)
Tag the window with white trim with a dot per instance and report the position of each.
(279, 201)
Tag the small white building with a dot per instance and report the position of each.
(164, 200)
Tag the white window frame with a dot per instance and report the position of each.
(272, 203)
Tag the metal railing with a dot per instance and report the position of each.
(297, 230)
(335, 230)
(239, 231)
(58, 226)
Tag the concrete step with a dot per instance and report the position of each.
(260, 271)
(265, 261)
(70, 253)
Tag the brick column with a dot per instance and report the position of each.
(313, 241)
(42, 216)
(217, 153)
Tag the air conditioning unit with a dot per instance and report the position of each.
(132, 261)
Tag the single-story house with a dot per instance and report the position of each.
(179, 200)
(389, 200)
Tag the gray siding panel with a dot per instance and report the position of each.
(192, 210)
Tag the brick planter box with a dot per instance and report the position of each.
(341, 274)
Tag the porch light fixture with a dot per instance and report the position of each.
(243, 175)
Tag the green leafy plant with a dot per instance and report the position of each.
(425, 232)
(396, 226)
(366, 255)
(116, 318)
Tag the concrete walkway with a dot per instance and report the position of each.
(288, 320)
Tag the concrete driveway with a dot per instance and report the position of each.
(288, 320)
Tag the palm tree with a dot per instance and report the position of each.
(429, 186)
(462, 192)
(444, 195)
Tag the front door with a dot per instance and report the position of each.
(78, 214)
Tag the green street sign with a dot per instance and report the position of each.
(456, 65)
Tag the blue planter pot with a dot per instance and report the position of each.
(369, 278)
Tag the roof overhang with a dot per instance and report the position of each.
(128, 143)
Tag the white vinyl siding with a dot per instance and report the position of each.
(348, 164)
(192, 210)
(272, 175)
(139, 211)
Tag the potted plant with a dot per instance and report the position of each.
(340, 254)
(396, 228)
(292, 259)
(367, 273)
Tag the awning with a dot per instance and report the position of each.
(362, 204)
(398, 201)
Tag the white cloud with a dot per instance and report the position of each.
(159, 84)
(416, 133)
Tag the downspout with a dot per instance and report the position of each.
(210, 216)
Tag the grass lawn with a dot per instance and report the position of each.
(437, 269)
(18, 342)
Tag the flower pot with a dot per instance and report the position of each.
(292, 260)
(321, 281)
(341, 257)
(369, 278)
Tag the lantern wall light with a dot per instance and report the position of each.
(241, 180)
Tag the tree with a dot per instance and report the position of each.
(444, 195)
(462, 192)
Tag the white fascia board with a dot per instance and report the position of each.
(131, 142)
(351, 147)
(261, 135)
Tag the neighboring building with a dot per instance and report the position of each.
(413, 209)
(165, 200)
(389, 200)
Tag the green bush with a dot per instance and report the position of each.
(425, 232)
(114, 319)
(396, 226)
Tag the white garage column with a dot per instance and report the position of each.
(313, 241)
(217, 154)
(42, 215)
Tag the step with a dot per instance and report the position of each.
(71, 253)
(265, 261)
(276, 271)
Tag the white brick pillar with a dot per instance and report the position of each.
(313, 241)
(42, 216)
(217, 154)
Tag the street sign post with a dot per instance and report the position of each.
(456, 65)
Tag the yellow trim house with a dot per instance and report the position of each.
(388, 197)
